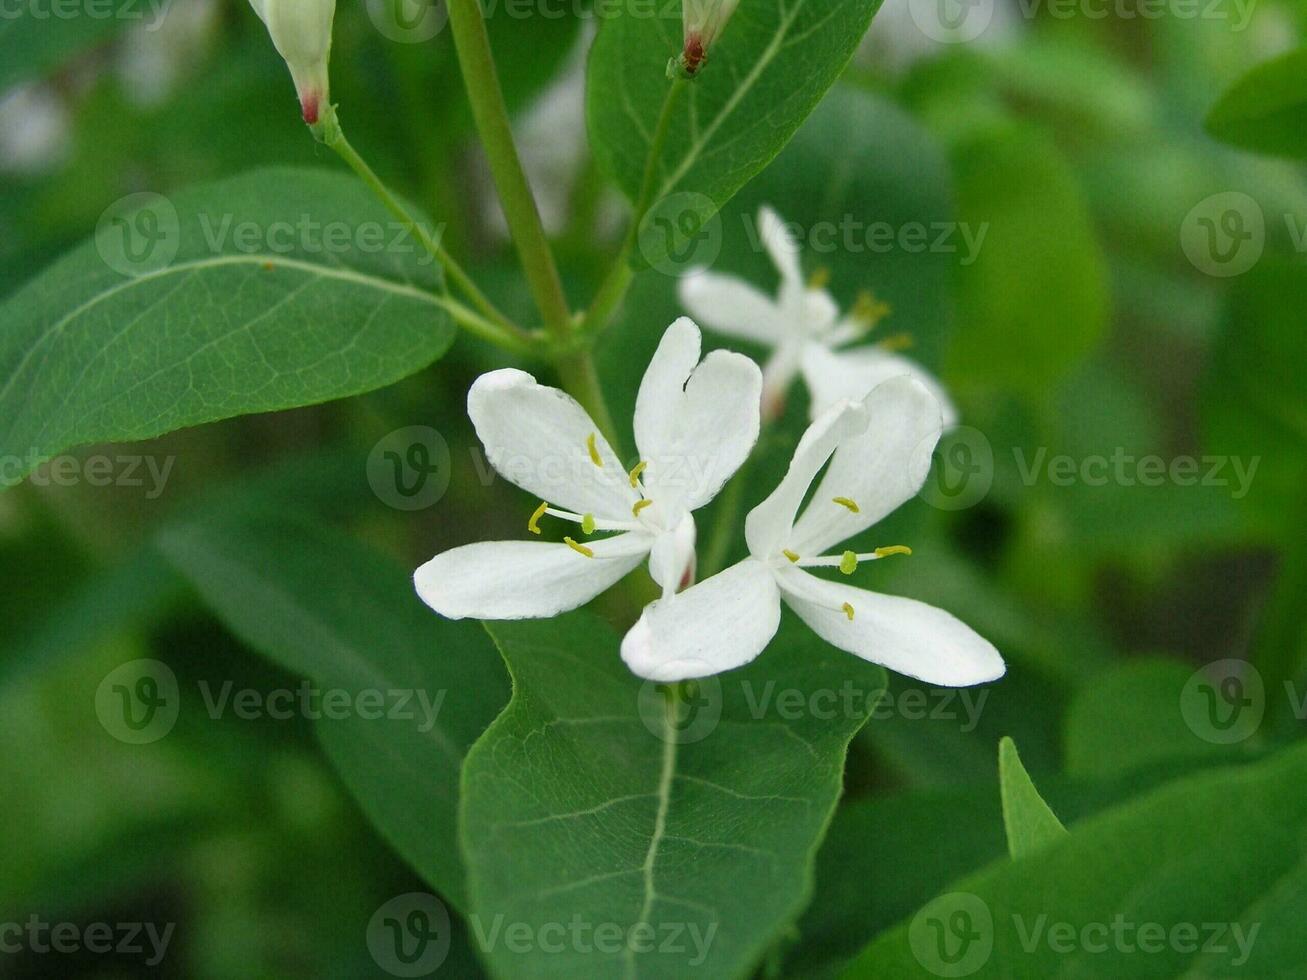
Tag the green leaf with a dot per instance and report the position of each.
(274, 290)
(1266, 110)
(1030, 824)
(31, 45)
(1133, 716)
(347, 618)
(586, 801)
(1224, 847)
(767, 71)
(1254, 397)
(1035, 301)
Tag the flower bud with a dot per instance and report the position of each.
(704, 21)
(301, 31)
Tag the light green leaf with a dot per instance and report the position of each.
(1224, 847)
(767, 71)
(586, 801)
(1035, 301)
(273, 290)
(1266, 110)
(1030, 824)
(334, 611)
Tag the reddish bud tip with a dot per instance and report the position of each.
(310, 106)
(694, 56)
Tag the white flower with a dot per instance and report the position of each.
(704, 22)
(803, 327)
(301, 31)
(695, 423)
(879, 451)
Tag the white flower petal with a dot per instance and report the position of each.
(525, 579)
(781, 246)
(768, 526)
(879, 469)
(732, 306)
(717, 625)
(694, 423)
(538, 438)
(907, 636)
(850, 374)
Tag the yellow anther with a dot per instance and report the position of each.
(592, 445)
(846, 502)
(588, 524)
(640, 467)
(580, 549)
(849, 563)
(819, 279)
(533, 525)
(848, 611)
(869, 311)
(897, 549)
(790, 555)
(900, 341)
(641, 505)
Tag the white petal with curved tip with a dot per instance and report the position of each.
(832, 376)
(769, 525)
(879, 469)
(907, 636)
(538, 438)
(525, 579)
(695, 423)
(720, 624)
(732, 306)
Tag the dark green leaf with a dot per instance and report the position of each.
(1030, 824)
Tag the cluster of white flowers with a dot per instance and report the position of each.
(878, 418)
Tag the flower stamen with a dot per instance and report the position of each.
(848, 610)
(588, 524)
(640, 467)
(641, 505)
(849, 563)
(847, 502)
(580, 549)
(819, 279)
(533, 525)
(592, 445)
(898, 342)
(792, 556)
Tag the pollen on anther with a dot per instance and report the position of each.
(592, 445)
(819, 279)
(849, 563)
(533, 525)
(588, 523)
(580, 549)
(850, 504)
(898, 549)
(640, 467)
(848, 610)
(641, 505)
(792, 556)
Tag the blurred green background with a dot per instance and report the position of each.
(1098, 319)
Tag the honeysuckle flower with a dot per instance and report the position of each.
(704, 21)
(879, 452)
(804, 329)
(301, 32)
(695, 423)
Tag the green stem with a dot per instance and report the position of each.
(491, 116)
(495, 326)
(613, 289)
